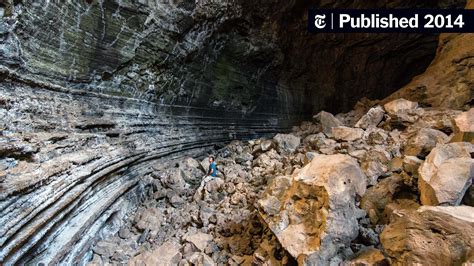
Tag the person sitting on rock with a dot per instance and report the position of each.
(212, 171)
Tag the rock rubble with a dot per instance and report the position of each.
(372, 190)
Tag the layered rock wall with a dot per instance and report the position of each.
(68, 157)
(94, 93)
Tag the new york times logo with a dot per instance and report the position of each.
(319, 21)
(391, 20)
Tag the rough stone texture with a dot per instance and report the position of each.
(379, 196)
(313, 213)
(372, 118)
(399, 106)
(369, 256)
(200, 240)
(430, 236)
(424, 141)
(166, 254)
(83, 155)
(156, 51)
(464, 127)
(327, 121)
(347, 133)
(448, 81)
(287, 142)
(95, 93)
(446, 174)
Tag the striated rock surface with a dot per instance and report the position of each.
(313, 213)
(71, 160)
(430, 236)
(446, 174)
(96, 96)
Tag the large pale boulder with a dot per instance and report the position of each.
(399, 105)
(402, 112)
(287, 142)
(464, 127)
(313, 213)
(442, 235)
(347, 133)
(327, 121)
(372, 118)
(446, 174)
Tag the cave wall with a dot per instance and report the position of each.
(449, 80)
(94, 93)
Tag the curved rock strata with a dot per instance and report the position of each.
(70, 158)
(93, 93)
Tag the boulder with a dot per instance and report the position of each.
(347, 133)
(200, 240)
(372, 118)
(327, 121)
(148, 218)
(201, 259)
(313, 213)
(266, 145)
(399, 105)
(377, 197)
(411, 164)
(376, 136)
(464, 127)
(430, 236)
(395, 165)
(375, 163)
(267, 163)
(446, 174)
(373, 169)
(205, 164)
(287, 143)
(175, 180)
(192, 171)
(402, 113)
(309, 156)
(424, 141)
(166, 254)
(243, 158)
(369, 257)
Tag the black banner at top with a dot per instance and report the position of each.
(391, 20)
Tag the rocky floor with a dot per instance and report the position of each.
(379, 185)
